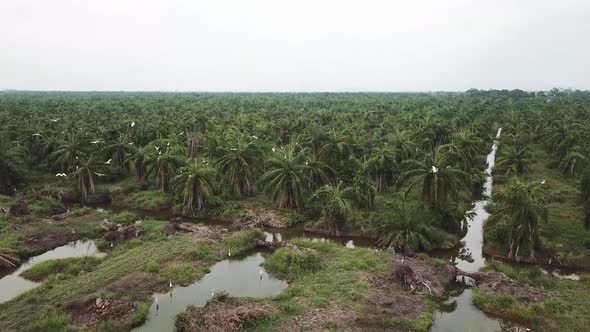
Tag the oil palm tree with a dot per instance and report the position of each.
(164, 165)
(524, 205)
(8, 258)
(84, 172)
(514, 160)
(336, 202)
(194, 183)
(381, 166)
(285, 178)
(439, 177)
(573, 162)
(139, 159)
(407, 229)
(11, 171)
(67, 153)
(119, 151)
(238, 164)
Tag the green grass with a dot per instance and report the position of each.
(289, 262)
(67, 267)
(144, 200)
(44, 206)
(336, 280)
(564, 309)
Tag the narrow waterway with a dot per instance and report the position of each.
(464, 316)
(239, 277)
(12, 284)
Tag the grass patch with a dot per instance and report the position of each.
(67, 267)
(243, 242)
(289, 262)
(145, 200)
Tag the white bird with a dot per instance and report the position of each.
(306, 163)
(96, 142)
(168, 144)
(108, 162)
(36, 134)
(181, 133)
(273, 149)
(234, 149)
(111, 244)
(228, 252)
(543, 182)
(99, 174)
(434, 169)
(159, 152)
(170, 283)
(130, 143)
(260, 271)
(77, 158)
(157, 148)
(133, 124)
(54, 120)
(73, 231)
(213, 292)
(254, 136)
(61, 174)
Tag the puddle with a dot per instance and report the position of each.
(239, 277)
(13, 285)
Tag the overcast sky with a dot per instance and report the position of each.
(294, 45)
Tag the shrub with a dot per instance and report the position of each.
(289, 262)
(244, 241)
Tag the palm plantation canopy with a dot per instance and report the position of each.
(341, 163)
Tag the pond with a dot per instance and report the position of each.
(12, 285)
(239, 277)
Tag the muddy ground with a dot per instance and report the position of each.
(498, 283)
(47, 241)
(97, 310)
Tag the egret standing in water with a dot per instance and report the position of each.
(170, 283)
(260, 271)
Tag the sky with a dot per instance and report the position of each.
(294, 45)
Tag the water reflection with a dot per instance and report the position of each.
(239, 278)
(13, 285)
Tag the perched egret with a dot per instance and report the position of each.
(77, 158)
(73, 231)
(133, 124)
(170, 283)
(157, 148)
(228, 252)
(108, 162)
(254, 136)
(273, 149)
(234, 149)
(96, 142)
(111, 244)
(130, 143)
(434, 169)
(543, 182)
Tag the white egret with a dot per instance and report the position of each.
(273, 149)
(61, 174)
(228, 252)
(254, 136)
(434, 169)
(543, 182)
(36, 134)
(133, 124)
(96, 142)
(54, 120)
(99, 174)
(108, 162)
(213, 292)
(170, 283)
(234, 149)
(111, 244)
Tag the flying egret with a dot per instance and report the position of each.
(61, 174)
(36, 134)
(77, 158)
(96, 141)
(54, 120)
(99, 174)
(157, 148)
(434, 169)
(273, 149)
(108, 162)
(130, 143)
(168, 144)
(254, 136)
